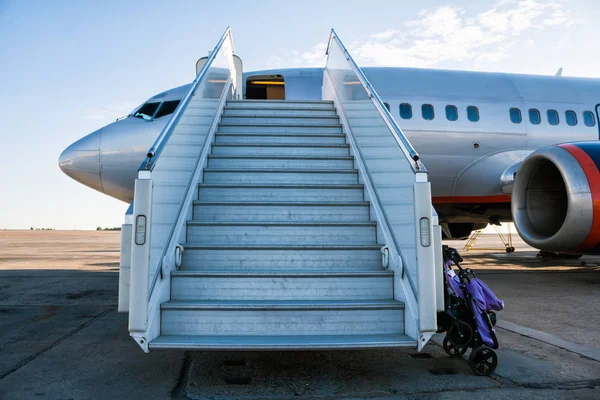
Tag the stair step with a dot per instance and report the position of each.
(242, 233)
(281, 192)
(288, 176)
(288, 285)
(289, 317)
(281, 257)
(280, 162)
(279, 112)
(280, 121)
(278, 211)
(283, 128)
(278, 104)
(279, 138)
(284, 305)
(334, 150)
(282, 342)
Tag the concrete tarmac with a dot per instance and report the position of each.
(61, 337)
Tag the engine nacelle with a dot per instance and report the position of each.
(556, 198)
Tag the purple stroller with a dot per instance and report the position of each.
(469, 317)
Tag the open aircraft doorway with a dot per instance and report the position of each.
(265, 87)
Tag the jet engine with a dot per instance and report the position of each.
(556, 198)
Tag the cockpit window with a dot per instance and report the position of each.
(167, 108)
(146, 111)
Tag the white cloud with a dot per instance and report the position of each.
(112, 111)
(559, 17)
(314, 57)
(448, 33)
(275, 62)
(385, 34)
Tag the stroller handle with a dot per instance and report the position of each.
(452, 254)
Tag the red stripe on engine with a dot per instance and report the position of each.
(501, 198)
(593, 176)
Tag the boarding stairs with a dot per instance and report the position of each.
(257, 226)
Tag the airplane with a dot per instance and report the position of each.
(493, 144)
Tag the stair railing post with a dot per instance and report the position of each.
(140, 254)
(125, 261)
(426, 260)
(439, 261)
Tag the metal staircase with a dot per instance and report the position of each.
(281, 224)
(271, 252)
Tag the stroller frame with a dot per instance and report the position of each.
(459, 319)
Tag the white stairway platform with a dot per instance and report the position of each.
(282, 252)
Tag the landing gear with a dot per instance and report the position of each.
(483, 360)
(506, 240)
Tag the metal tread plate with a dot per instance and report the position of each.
(279, 274)
(284, 185)
(311, 145)
(230, 114)
(202, 246)
(282, 305)
(281, 125)
(281, 203)
(280, 223)
(287, 134)
(257, 101)
(270, 157)
(286, 170)
(282, 342)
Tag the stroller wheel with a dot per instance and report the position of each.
(460, 334)
(483, 360)
(452, 350)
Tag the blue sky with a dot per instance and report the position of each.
(68, 68)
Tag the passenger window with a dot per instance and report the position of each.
(451, 113)
(534, 116)
(515, 116)
(473, 113)
(167, 108)
(405, 111)
(387, 106)
(427, 111)
(571, 117)
(588, 118)
(553, 117)
(146, 111)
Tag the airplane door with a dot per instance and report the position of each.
(598, 119)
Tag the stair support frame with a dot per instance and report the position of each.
(420, 322)
(145, 317)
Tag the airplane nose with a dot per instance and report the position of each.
(81, 160)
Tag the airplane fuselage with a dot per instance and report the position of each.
(468, 127)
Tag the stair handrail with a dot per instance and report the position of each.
(170, 242)
(147, 287)
(397, 133)
(418, 290)
(162, 139)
